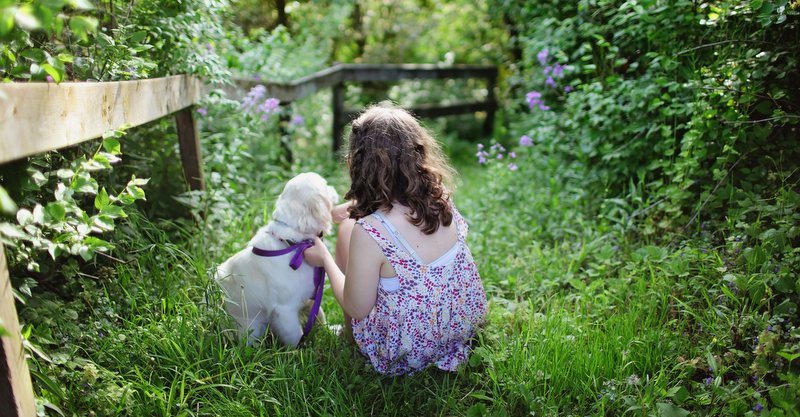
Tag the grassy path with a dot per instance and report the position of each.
(582, 321)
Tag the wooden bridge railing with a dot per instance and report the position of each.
(335, 77)
(40, 117)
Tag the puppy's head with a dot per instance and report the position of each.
(304, 207)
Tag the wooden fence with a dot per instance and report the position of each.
(40, 117)
(335, 77)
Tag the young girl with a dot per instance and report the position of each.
(411, 293)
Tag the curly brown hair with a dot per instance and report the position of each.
(392, 158)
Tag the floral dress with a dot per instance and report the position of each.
(428, 313)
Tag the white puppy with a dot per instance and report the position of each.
(265, 292)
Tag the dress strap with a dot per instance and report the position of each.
(399, 240)
(387, 246)
(462, 228)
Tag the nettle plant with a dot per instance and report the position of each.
(63, 227)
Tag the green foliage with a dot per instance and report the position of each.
(664, 96)
(65, 226)
(76, 40)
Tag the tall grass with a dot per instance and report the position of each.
(585, 319)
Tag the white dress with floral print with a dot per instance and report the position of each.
(426, 315)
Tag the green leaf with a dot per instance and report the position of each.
(669, 410)
(85, 252)
(82, 26)
(789, 356)
(26, 19)
(65, 173)
(135, 192)
(83, 183)
(12, 231)
(24, 217)
(6, 21)
(112, 146)
(138, 181)
(786, 308)
(104, 223)
(97, 244)
(102, 201)
(137, 37)
(477, 410)
(34, 54)
(65, 57)
(7, 205)
(81, 4)
(113, 211)
(56, 211)
(712, 363)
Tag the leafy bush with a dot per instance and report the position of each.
(663, 96)
(117, 40)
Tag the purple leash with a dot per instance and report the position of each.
(294, 263)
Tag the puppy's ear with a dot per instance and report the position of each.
(333, 195)
(314, 214)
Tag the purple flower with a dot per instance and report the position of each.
(255, 95)
(708, 380)
(542, 56)
(568, 88)
(512, 167)
(268, 107)
(551, 82)
(202, 111)
(512, 154)
(49, 79)
(525, 140)
(499, 156)
(758, 407)
(481, 159)
(297, 120)
(534, 98)
(557, 70)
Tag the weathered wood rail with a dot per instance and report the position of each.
(335, 77)
(40, 117)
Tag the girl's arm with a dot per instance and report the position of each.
(356, 292)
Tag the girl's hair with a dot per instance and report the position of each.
(392, 158)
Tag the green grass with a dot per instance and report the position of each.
(585, 319)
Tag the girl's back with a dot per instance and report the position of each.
(430, 301)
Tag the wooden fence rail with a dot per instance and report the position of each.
(336, 77)
(40, 117)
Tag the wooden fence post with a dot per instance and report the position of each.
(283, 125)
(338, 116)
(16, 390)
(488, 123)
(189, 141)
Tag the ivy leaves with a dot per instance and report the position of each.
(64, 226)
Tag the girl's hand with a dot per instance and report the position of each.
(339, 213)
(317, 254)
